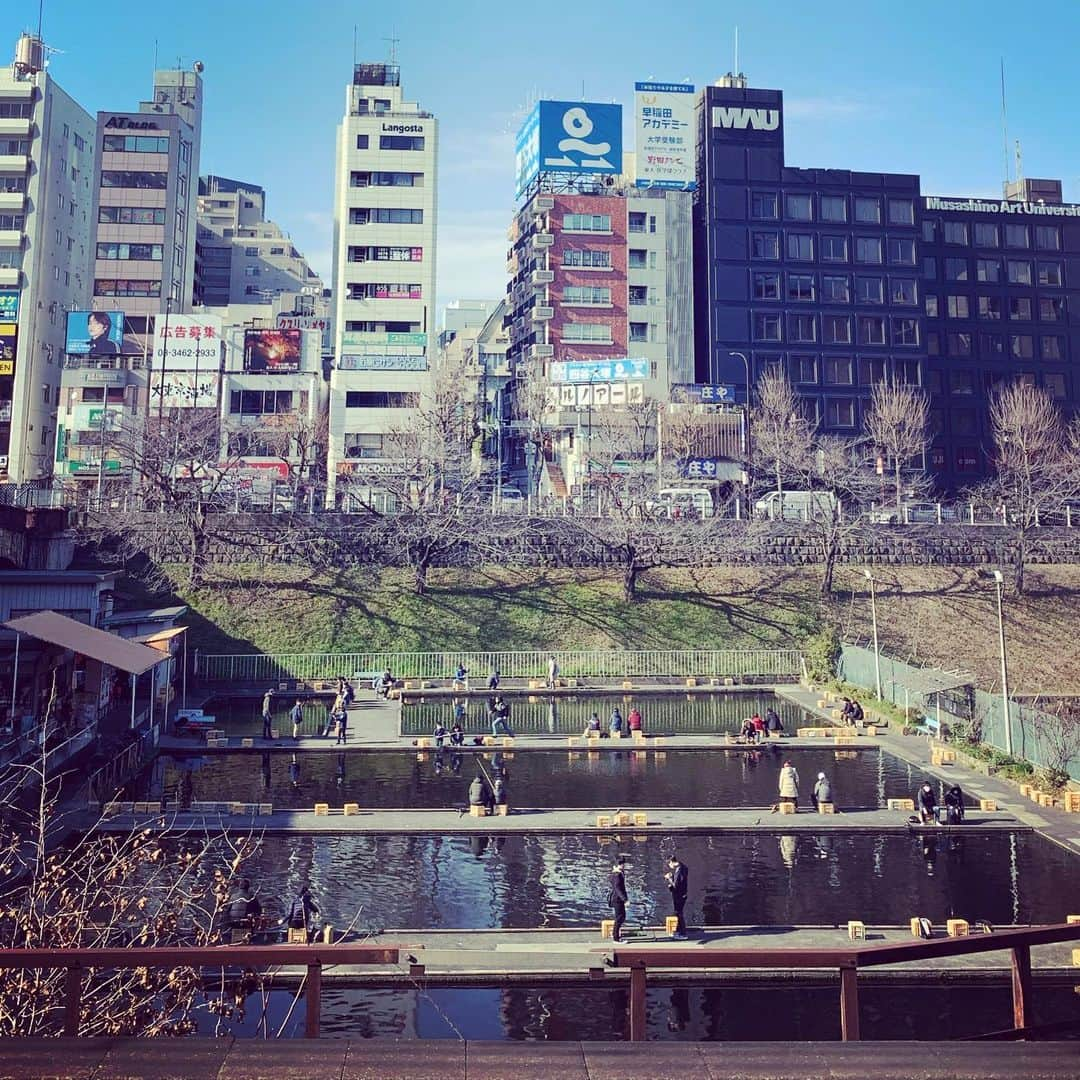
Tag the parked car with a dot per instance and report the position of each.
(681, 502)
(511, 498)
(796, 505)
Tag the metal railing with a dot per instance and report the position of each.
(847, 961)
(600, 664)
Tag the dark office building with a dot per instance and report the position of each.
(842, 278)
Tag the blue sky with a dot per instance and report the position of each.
(900, 87)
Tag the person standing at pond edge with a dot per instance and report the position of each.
(954, 804)
(773, 723)
(822, 790)
(789, 784)
(267, 714)
(678, 883)
(552, 672)
(633, 719)
(296, 715)
(617, 899)
(615, 723)
(926, 804)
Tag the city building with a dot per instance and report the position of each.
(461, 315)
(241, 257)
(843, 278)
(46, 174)
(384, 266)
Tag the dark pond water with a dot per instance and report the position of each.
(736, 878)
(537, 778)
(745, 1012)
(673, 713)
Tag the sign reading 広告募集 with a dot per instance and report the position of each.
(1002, 206)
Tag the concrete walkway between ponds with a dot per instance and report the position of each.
(449, 1059)
(537, 821)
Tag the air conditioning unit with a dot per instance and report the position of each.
(3, 461)
(543, 203)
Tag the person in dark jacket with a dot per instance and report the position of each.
(267, 714)
(617, 899)
(926, 803)
(954, 803)
(478, 792)
(822, 790)
(678, 883)
(302, 911)
(773, 723)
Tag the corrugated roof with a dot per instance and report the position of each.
(110, 649)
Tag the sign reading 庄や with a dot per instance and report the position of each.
(664, 127)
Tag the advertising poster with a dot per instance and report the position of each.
(180, 389)
(527, 152)
(273, 352)
(95, 333)
(9, 347)
(9, 305)
(664, 135)
(570, 137)
(187, 341)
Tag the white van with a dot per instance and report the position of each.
(796, 505)
(676, 502)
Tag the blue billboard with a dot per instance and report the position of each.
(95, 333)
(569, 137)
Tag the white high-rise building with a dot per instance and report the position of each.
(46, 171)
(384, 267)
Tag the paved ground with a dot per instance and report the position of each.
(364, 1059)
(443, 822)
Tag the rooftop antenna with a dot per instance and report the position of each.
(736, 50)
(40, 17)
(393, 45)
(155, 54)
(1004, 123)
(355, 30)
(1019, 165)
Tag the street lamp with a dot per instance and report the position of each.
(749, 445)
(873, 616)
(999, 584)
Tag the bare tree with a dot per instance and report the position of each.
(781, 434)
(298, 440)
(1057, 727)
(898, 426)
(1037, 461)
(534, 403)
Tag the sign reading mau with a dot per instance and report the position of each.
(730, 116)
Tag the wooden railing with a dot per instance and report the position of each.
(847, 961)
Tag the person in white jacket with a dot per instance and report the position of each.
(789, 783)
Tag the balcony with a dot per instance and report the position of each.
(541, 352)
(14, 162)
(541, 241)
(11, 238)
(542, 277)
(542, 312)
(15, 125)
(12, 200)
(10, 275)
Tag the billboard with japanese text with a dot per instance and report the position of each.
(581, 371)
(184, 389)
(98, 334)
(9, 305)
(664, 135)
(187, 341)
(273, 352)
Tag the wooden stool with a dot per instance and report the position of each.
(856, 930)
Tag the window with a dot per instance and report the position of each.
(766, 286)
(639, 331)
(1047, 238)
(901, 251)
(587, 223)
(362, 445)
(1050, 274)
(362, 142)
(833, 208)
(839, 371)
(868, 249)
(11, 185)
(142, 144)
(130, 215)
(1020, 307)
(836, 329)
(871, 330)
(986, 235)
(401, 142)
(17, 110)
(803, 368)
(766, 327)
(637, 259)
(800, 287)
(901, 212)
(639, 294)
(800, 247)
(955, 232)
(584, 257)
(587, 333)
(931, 304)
(929, 268)
(956, 269)
(963, 421)
(840, 412)
(597, 295)
(385, 290)
(146, 181)
(905, 331)
(1021, 346)
(1016, 236)
(989, 307)
(867, 210)
(122, 287)
(834, 248)
(1019, 271)
(386, 179)
(1052, 348)
(251, 252)
(764, 206)
(1051, 308)
(765, 245)
(835, 289)
(259, 402)
(903, 291)
(383, 215)
(1054, 381)
(933, 343)
(381, 399)
(802, 328)
(652, 223)
(14, 147)
(798, 207)
(957, 307)
(961, 381)
(959, 344)
(869, 290)
(871, 370)
(636, 222)
(988, 270)
(992, 344)
(929, 230)
(137, 252)
(252, 271)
